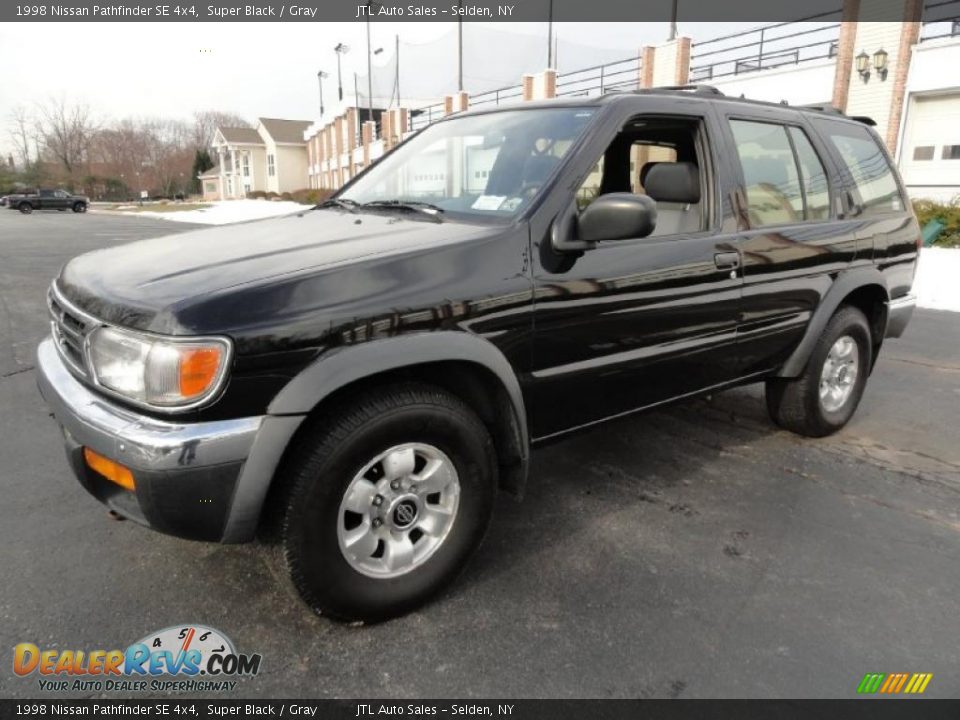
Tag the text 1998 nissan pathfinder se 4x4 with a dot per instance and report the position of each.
(361, 378)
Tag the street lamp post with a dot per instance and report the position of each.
(340, 50)
(320, 76)
(369, 63)
(550, 36)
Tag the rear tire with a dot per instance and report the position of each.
(359, 476)
(823, 399)
(25, 208)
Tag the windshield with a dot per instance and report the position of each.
(480, 166)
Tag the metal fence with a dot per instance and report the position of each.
(421, 117)
(762, 48)
(511, 93)
(613, 76)
(596, 80)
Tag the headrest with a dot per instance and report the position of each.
(677, 182)
(645, 170)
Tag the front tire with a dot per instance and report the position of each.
(25, 208)
(823, 399)
(387, 500)
(79, 207)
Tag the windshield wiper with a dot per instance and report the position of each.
(428, 209)
(342, 203)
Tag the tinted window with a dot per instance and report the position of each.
(816, 189)
(867, 168)
(923, 152)
(769, 172)
(951, 152)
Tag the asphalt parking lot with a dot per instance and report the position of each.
(695, 551)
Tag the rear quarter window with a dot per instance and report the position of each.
(865, 166)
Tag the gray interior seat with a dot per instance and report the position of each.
(676, 188)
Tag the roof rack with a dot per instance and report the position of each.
(695, 87)
(699, 89)
(830, 109)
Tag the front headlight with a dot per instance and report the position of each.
(161, 372)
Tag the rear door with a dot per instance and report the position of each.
(792, 239)
(632, 323)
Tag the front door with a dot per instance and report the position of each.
(635, 322)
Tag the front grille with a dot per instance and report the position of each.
(69, 327)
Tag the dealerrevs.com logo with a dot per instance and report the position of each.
(182, 658)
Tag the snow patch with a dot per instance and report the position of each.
(224, 212)
(937, 283)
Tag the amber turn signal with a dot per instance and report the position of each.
(198, 369)
(112, 471)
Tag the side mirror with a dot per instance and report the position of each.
(614, 216)
(617, 216)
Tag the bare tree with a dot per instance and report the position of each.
(66, 130)
(22, 134)
(206, 122)
(168, 153)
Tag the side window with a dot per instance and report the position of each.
(770, 174)
(816, 189)
(866, 167)
(643, 156)
(660, 157)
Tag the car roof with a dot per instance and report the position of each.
(706, 93)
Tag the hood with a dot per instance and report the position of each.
(142, 284)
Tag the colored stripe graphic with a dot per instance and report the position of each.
(870, 683)
(894, 683)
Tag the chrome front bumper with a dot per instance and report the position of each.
(899, 312)
(204, 480)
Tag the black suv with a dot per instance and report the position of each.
(358, 380)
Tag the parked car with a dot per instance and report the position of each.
(357, 381)
(47, 200)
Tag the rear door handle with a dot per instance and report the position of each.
(727, 260)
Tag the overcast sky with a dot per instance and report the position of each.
(269, 69)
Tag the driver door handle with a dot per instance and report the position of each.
(727, 260)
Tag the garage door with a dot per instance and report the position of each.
(930, 160)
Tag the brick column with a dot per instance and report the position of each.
(386, 129)
(447, 104)
(912, 25)
(683, 61)
(647, 59)
(311, 164)
(527, 84)
(549, 83)
(845, 53)
(366, 132)
(338, 149)
(352, 120)
(671, 63)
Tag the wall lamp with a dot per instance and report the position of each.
(879, 63)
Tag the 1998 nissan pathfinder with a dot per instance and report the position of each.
(363, 377)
